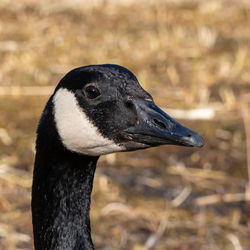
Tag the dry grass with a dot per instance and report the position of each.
(189, 55)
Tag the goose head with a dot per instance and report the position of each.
(101, 109)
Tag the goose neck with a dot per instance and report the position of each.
(61, 195)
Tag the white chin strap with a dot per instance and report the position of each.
(77, 132)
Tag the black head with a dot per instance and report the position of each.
(101, 109)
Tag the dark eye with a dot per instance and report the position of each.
(92, 92)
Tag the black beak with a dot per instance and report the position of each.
(154, 127)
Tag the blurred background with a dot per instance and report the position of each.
(193, 56)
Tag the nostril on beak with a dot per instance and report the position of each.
(159, 124)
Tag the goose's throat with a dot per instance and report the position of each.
(61, 202)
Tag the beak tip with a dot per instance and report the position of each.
(197, 141)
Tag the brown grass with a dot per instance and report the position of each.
(189, 55)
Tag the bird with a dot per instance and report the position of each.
(95, 110)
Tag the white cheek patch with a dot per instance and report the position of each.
(77, 132)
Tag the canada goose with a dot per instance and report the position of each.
(94, 110)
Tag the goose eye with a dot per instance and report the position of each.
(92, 92)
